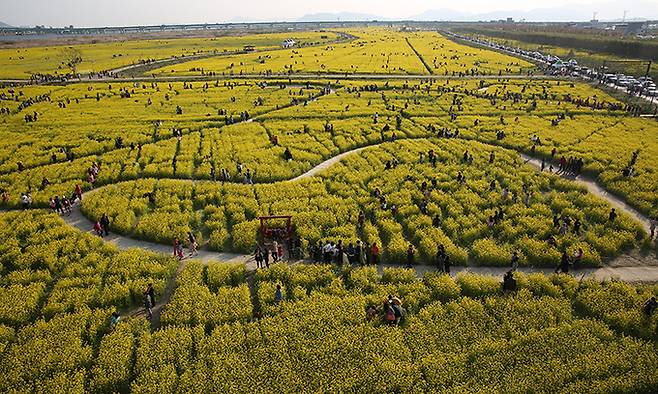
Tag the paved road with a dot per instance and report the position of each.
(621, 89)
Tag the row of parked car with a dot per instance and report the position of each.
(643, 86)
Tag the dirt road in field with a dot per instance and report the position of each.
(594, 188)
(634, 258)
(631, 267)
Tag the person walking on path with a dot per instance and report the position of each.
(148, 305)
(364, 254)
(275, 251)
(105, 224)
(151, 293)
(564, 264)
(58, 205)
(98, 229)
(175, 247)
(515, 261)
(266, 258)
(374, 253)
(78, 192)
(653, 223)
(193, 244)
(178, 249)
(66, 205)
(446, 263)
(410, 256)
(258, 256)
(358, 252)
(279, 252)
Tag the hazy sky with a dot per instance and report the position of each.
(135, 12)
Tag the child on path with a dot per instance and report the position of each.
(98, 229)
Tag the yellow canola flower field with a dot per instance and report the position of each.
(212, 139)
(23, 63)
(445, 57)
(374, 51)
(287, 349)
(86, 119)
(210, 342)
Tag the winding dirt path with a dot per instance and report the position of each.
(629, 267)
(634, 266)
(639, 271)
(328, 163)
(594, 188)
(78, 220)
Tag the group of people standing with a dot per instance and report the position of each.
(263, 253)
(357, 253)
(102, 226)
(64, 205)
(192, 244)
(572, 165)
(92, 172)
(391, 311)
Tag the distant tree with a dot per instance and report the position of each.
(71, 58)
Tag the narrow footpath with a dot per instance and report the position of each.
(594, 188)
(631, 267)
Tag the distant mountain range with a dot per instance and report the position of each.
(608, 11)
(2, 24)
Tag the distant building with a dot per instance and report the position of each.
(635, 27)
(289, 43)
(510, 20)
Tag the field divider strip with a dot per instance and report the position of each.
(420, 57)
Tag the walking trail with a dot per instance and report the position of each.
(632, 266)
(328, 163)
(594, 188)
